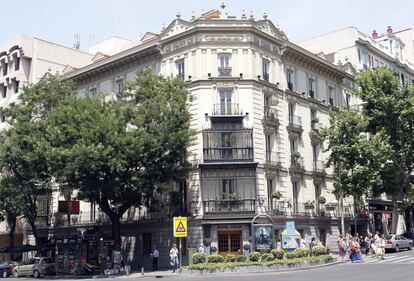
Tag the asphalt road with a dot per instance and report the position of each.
(396, 266)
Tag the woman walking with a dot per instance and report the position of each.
(174, 258)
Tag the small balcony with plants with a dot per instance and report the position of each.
(294, 127)
(229, 203)
(270, 117)
(297, 163)
(315, 132)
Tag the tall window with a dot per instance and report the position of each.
(16, 61)
(180, 69)
(311, 87)
(348, 100)
(295, 192)
(4, 67)
(265, 66)
(224, 60)
(290, 79)
(146, 243)
(291, 111)
(269, 191)
(15, 86)
(227, 186)
(331, 91)
(3, 91)
(119, 85)
(225, 102)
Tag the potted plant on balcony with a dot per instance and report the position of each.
(296, 154)
(235, 200)
(276, 194)
(321, 200)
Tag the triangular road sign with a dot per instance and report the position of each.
(180, 227)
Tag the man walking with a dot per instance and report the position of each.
(155, 255)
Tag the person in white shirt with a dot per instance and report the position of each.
(155, 255)
(174, 258)
(201, 249)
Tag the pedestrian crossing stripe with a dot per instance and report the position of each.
(390, 260)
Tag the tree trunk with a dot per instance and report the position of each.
(34, 231)
(116, 231)
(395, 215)
(11, 221)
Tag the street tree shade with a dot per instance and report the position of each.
(119, 152)
(389, 109)
(23, 146)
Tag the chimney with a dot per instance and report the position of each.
(389, 29)
(374, 34)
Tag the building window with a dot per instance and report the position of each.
(146, 243)
(3, 118)
(265, 66)
(312, 87)
(15, 84)
(180, 69)
(4, 67)
(295, 192)
(227, 186)
(224, 63)
(269, 191)
(348, 100)
(359, 55)
(93, 91)
(331, 94)
(230, 241)
(3, 91)
(290, 79)
(119, 85)
(16, 62)
(225, 106)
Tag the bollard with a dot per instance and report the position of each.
(142, 271)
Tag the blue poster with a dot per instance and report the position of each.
(290, 227)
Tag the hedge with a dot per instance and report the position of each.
(230, 258)
(291, 255)
(278, 253)
(267, 257)
(213, 266)
(254, 256)
(215, 259)
(199, 258)
(302, 252)
(319, 250)
(241, 258)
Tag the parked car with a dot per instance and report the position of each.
(6, 268)
(398, 242)
(35, 267)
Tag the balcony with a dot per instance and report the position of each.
(224, 71)
(272, 161)
(290, 86)
(226, 109)
(319, 167)
(280, 208)
(303, 209)
(270, 117)
(228, 154)
(314, 134)
(266, 77)
(295, 126)
(229, 206)
(296, 164)
(331, 101)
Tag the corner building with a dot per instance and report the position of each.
(258, 101)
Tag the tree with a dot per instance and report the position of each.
(119, 152)
(23, 146)
(355, 155)
(11, 203)
(390, 108)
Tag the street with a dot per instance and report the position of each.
(396, 266)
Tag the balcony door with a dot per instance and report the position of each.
(295, 192)
(230, 242)
(318, 193)
(225, 97)
(228, 187)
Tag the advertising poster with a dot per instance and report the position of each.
(263, 237)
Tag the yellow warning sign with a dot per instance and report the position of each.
(180, 227)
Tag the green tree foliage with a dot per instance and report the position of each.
(390, 109)
(355, 155)
(11, 203)
(119, 152)
(23, 145)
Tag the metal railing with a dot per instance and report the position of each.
(225, 206)
(290, 86)
(312, 94)
(309, 209)
(296, 161)
(273, 158)
(295, 121)
(266, 76)
(315, 126)
(270, 114)
(226, 109)
(319, 166)
(228, 154)
(224, 71)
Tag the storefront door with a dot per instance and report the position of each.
(230, 242)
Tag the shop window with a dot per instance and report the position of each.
(230, 242)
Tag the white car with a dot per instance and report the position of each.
(397, 242)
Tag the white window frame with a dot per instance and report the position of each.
(224, 60)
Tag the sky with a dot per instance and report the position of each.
(97, 20)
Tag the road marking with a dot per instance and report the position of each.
(409, 260)
(393, 260)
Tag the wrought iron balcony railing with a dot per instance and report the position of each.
(229, 206)
(224, 71)
(226, 109)
(228, 154)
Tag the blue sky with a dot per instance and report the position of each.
(96, 20)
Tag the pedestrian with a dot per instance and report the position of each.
(155, 256)
(380, 247)
(341, 247)
(302, 243)
(201, 249)
(174, 258)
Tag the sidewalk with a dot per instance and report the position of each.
(152, 274)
